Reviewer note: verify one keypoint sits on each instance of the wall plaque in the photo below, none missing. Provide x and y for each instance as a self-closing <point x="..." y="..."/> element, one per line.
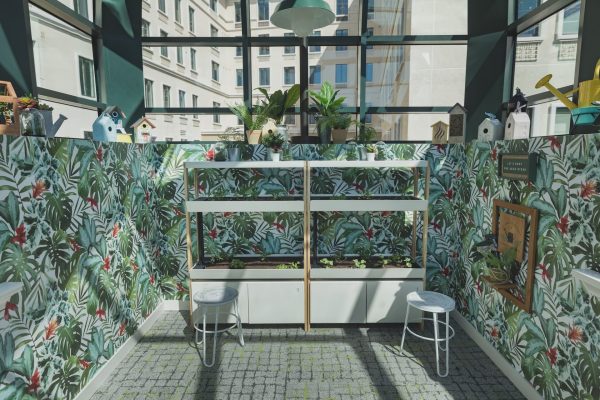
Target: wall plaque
<point x="518" y="166"/>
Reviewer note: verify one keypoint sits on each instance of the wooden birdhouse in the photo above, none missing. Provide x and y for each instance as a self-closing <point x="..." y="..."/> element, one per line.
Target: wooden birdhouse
<point x="517" y="126"/>
<point x="490" y="129"/>
<point x="108" y="125"/>
<point x="9" y="112"/>
<point x="141" y="130"/>
<point x="439" y="133"/>
<point x="458" y="124"/>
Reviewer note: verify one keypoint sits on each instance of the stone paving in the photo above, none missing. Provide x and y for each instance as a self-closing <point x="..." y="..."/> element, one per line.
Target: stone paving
<point x="288" y="363"/>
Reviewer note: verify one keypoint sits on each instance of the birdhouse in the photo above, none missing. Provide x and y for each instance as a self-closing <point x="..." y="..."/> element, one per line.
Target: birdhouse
<point x="490" y="129"/>
<point x="9" y="112"/>
<point x="439" y="133"/>
<point x="108" y="125"/>
<point x="141" y="130"/>
<point x="517" y="126"/>
<point x="458" y="124"/>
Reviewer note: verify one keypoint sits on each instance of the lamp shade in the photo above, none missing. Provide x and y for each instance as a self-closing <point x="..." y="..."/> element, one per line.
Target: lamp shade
<point x="302" y="16"/>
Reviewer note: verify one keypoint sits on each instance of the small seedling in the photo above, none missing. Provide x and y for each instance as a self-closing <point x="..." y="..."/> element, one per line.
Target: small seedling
<point x="292" y="265"/>
<point x="360" y="263"/>
<point x="327" y="263"/>
<point x="237" y="264"/>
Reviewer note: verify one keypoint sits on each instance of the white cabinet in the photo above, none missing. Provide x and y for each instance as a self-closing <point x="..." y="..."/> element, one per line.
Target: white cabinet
<point x="386" y="301"/>
<point x="338" y="302"/>
<point x="241" y="287"/>
<point x="276" y="302"/>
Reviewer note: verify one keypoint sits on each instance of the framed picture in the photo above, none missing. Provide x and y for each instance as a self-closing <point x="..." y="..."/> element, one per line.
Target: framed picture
<point x="510" y="224"/>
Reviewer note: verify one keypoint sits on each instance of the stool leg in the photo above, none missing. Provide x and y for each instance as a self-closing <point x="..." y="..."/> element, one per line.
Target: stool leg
<point x="239" y="323"/>
<point x="447" y="350"/>
<point x="204" y="335"/>
<point x="195" y="326"/>
<point x="215" y="338"/>
<point x="436" y="337"/>
<point x="404" y="330"/>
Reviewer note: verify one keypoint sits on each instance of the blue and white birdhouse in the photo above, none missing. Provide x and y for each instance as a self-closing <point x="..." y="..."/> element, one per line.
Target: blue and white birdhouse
<point x="108" y="125"/>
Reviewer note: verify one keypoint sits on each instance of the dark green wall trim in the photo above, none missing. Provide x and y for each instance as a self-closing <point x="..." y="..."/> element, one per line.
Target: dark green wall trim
<point x="122" y="56"/>
<point x="486" y="58"/>
<point x="16" y="53"/>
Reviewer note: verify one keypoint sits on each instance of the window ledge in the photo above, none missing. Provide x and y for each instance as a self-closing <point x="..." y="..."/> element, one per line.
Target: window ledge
<point x="530" y="39"/>
<point x="264" y="22"/>
<point x="179" y="26"/>
<point x="341" y="85"/>
<point x="566" y="38"/>
<point x="264" y="55"/>
<point x="163" y="15"/>
<point x="166" y="59"/>
<point x="289" y="54"/>
<point x="216" y="82"/>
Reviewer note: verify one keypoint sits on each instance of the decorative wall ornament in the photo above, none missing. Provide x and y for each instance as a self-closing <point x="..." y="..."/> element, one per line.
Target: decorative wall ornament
<point x="439" y="133"/>
<point x="516" y="166"/>
<point x="458" y="124"/>
<point x="490" y="129"/>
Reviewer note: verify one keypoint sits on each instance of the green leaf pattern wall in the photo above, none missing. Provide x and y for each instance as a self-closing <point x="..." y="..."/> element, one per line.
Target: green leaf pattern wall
<point x="96" y="232"/>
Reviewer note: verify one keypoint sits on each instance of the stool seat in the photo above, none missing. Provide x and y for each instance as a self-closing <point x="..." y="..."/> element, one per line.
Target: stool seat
<point x="216" y="296"/>
<point x="430" y="302"/>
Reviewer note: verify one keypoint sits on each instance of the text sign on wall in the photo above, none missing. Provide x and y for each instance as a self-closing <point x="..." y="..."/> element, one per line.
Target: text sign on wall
<point x="518" y="166"/>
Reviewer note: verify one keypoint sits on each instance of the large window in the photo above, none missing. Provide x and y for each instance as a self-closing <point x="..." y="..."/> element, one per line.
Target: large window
<point x="215" y="71"/>
<point x="289" y="75"/>
<point x="181" y="98"/>
<point x="148" y="93"/>
<point x="342" y="7"/>
<point x="289" y="49"/>
<point x="264" y="75"/>
<point x="164" y="51"/>
<point x="216" y="117"/>
<point x="341" y="32"/>
<point x="238" y="11"/>
<point x="177" y="11"/>
<point x="263" y="10"/>
<point x="145" y="28"/>
<point x="180" y="55"/>
<point x="192" y="19"/>
<point x="341" y="73"/>
<point x="314" y="75"/>
<point x="264" y="50"/>
<point x="162" y="6"/>
<point x="193" y="59"/>
<point x="81" y="8"/>
<point x="86" y="77"/>
<point x="166" y="96"/>
<point x="239" y="77"/>
<point x="315" y="49"/>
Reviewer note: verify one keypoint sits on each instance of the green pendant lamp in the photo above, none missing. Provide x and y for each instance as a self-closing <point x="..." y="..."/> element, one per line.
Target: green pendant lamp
<point x="302" y="16"/>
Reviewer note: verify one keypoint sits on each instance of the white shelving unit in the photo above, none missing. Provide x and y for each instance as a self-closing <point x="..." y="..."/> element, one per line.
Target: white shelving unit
<point x="347" y="295"/>
<point x="266" y="296"/>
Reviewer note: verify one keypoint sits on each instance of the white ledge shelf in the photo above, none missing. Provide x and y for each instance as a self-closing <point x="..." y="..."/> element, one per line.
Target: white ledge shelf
<point x="589" y="279"/>
<point x="368" y="205"/>
<point x="368" y="164"/>
<point x="7" y="290"/>
<point x="242" y="274"/>
<point x="245" y="206"/>
<point x="243" y="164"/>
<point x="367" y="273"/>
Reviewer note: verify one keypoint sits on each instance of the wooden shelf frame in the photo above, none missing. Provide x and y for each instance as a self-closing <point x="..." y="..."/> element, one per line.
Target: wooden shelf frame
<point x="309" y="207"/>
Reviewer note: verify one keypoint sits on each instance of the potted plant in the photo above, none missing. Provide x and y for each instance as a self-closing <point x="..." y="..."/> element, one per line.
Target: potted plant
<point x="233" y="138"/>
<point x="326" y="104"/>
<point x="496" y="267"/>
<point x="253" y="122"/>
<point x="275" y="105"/>
<point x="365" y="135"/>
<point x="371" y="150"/>
<point x="274" y="141"/>
<point x="339" y="124"/>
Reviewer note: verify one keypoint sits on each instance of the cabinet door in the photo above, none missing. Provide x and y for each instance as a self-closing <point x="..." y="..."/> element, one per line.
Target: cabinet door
<point x="386" y="301"/>
<point x="338" y="302"/>
<point x="276" y="302"/>
<point x="242" y="289"/>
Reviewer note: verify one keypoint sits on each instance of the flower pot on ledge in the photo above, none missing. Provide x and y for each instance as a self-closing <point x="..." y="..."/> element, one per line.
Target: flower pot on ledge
<point x="275" y="156"/>
<point x="254" y="136"/>
<point x="371" y="156"/>
<point x="339" y="135"/>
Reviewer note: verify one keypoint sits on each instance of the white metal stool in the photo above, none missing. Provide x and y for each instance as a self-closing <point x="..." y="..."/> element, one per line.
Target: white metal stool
<point x="216" y="298"/>
<point x="435" y="303"/>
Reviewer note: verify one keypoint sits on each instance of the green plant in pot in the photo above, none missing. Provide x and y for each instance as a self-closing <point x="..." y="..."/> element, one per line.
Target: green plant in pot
<point x="371" y="150"/>
<point x="274" y="141"/>
<point x="233" y="139"/>
<point x="364" y="136"/>
<point x="275" y="105"/>
<point x="338" y="124"/>
<point x="326" y="104"/>
<point x="254" y="120"/>
<point x="495" y="267"/>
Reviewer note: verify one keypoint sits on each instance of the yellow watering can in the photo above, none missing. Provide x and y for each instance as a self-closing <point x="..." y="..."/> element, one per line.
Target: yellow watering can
<point x="589" y="91"/>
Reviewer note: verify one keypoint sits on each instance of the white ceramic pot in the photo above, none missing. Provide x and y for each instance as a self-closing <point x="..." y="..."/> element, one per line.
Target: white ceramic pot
<point x="275" y="156"/>
<point x="371" y="156"/>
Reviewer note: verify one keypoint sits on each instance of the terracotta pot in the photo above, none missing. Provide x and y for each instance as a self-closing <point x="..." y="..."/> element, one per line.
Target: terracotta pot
<point x="339" y="135"/>
<point x="253" y="136"/>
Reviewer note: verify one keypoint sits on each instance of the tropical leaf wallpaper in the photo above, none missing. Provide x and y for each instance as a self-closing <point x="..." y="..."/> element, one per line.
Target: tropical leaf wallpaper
<point x="96" y="233"/>
<point x="557" y="346"/>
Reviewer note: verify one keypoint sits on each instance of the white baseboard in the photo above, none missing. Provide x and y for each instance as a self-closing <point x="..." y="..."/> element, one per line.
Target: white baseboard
<point x="511" y="373"/>
<point x="102" y="375"/>
<point x="176" y="305"/>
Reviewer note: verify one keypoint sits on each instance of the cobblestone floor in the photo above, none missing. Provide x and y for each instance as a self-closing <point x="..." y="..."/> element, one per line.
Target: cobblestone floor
<point x="326" y="363"/>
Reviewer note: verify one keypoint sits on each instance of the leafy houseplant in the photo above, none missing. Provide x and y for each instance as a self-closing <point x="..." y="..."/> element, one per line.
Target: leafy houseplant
<point x="339" y="124"/>
<point x="276" y="104"/>
<point x="371" y="151"/>
<point x="274" y="141"/>
<point x="236" y="263"/>
<point x="31" y="119"/>
<point x="233" y="138"/>
<point x="497" y="268"/>
<point x="253" y="122"/>
<point x="326" y="104"/>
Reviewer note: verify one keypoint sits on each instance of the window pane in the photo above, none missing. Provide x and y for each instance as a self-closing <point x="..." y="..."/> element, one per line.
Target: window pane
<point x="315" y="49"/>
<point x="239" y="74"/>
<point x="425" y="75"/>
<point x="78" y="120"/>
<point x="181" y="17"/>
<point x="263" y="10"/>
<point x="289" y="49"/>
<point x="238" y="12"/>
<point x="341" y="32"/>
<point x="166" y="96"/>
<point x="264" y="76"/>
<point x="549" y="53"/>
<point x="339" y="69"/>
<point x="263" y="50"/>
<point x="341" y="7"/>
<point x="181" y="99"/>
<point x="405" y="127"/>
<point x="148" y="93"/>
<point x="61" y="51"/>
<point x="179" y="55"/>
<point x="83" y="8"/>
<point x="419" y="17"/>
<point x="193" y="59"/>
<point x="549" y="119"/>
<point x="216" y="117"/>
<point x="289" y="75"/>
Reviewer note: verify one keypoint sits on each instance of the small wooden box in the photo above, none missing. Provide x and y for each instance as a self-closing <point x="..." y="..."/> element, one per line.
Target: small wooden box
<point x="9" y="124"/>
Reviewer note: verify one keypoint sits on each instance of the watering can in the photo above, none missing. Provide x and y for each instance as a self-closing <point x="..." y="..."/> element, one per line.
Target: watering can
<point x="50" y="126"/>
<point x="587" y="111"/>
